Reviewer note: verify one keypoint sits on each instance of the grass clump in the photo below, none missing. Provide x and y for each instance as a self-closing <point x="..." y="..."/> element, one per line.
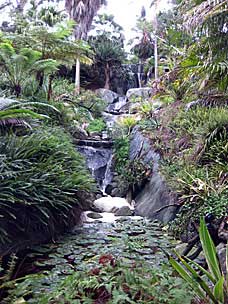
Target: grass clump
<point x="193" y="145"/>
<point x="41" y="175"/>
<point x="97" y="125"/>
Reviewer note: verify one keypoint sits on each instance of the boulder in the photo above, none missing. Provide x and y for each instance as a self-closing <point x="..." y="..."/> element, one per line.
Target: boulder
<point x="117" y="105"/>
<point x="139" y="92"/>
<point x="221" y="251"/>
<point x="107" y="95"/>
<point x="155" y="201"/>
<point x="130" y="107"/>
<point x="94" y="215"/>
<point x="79" y="133"/>
<point x="124" y="211"/>
<point x="111" y="204"/>
<point x="154" y="194"/>
<point x="140" y="148"/>
<point x="98" y="160"/>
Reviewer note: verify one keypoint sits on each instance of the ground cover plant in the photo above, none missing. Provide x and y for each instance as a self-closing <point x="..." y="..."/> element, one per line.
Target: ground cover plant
<point x="102" y="263"/>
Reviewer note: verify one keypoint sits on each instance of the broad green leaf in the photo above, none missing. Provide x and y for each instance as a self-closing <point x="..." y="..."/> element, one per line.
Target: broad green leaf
<point x="219" y="290"/>
<point x="209" y="250"/>
<point x="197" y="278"/>
<point x="184" y="274"/>
<point x="207" y="273"/>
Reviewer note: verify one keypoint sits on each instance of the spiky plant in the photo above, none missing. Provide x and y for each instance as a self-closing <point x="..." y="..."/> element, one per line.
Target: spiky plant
<point x="41" y="178"/>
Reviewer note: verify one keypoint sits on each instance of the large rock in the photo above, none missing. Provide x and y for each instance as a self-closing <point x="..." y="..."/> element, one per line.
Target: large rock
<point x="79" y="133"/>
<point x="111" y="204"/>
<point x="117" y="106"/>
<point x="124" y="211"/>
<point x="155" y="199"/>
<point x="139" y="92"/>
<point x="140" y="148"/>
<point x="98" y="161"/>
<point x="107" y="95"/>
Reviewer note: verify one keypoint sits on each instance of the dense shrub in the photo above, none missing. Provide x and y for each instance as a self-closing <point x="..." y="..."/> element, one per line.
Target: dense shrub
<point x="41" y="175"/>
<point x="195" y="166"/>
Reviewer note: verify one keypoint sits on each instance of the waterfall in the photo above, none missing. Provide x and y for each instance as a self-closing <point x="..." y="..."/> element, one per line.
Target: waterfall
<point x="99" y="163"/>
<point x="139" y="74"/>
<point x="108" y="176"/>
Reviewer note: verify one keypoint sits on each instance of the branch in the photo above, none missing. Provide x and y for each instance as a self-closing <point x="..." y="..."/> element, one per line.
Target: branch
<point x="5" y="5"/>
<point x="172" y="46"/>
<point x="164" y="207"/>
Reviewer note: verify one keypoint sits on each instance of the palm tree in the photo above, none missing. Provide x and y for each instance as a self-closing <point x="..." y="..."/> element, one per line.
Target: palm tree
<point x="207" y="60"/>
<point x="108" y="53"/>
<point x="155" y="4"/>
<point x="82" y="12"/>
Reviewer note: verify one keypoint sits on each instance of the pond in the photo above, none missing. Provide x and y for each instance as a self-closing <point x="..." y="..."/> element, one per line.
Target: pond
<point x="87" y="249"/>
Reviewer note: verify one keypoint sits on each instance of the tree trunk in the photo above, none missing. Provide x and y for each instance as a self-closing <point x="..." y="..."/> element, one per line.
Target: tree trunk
<point x="40" y="78"/>
<point x="17" y="90"/>
<point x="77" y="77"/>
<point x="107" y="76"/>
<point x="50" y="87"/>
<point x="156" y="58"/>
<point x="155" y="25"/>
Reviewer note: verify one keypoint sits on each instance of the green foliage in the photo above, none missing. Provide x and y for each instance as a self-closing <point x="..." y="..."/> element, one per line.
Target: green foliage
<point x="206" y="60"/>
<point x="130" y="268"/>
<point x="7" y="271"/>
<point x="87" y="103"/>
<point x="104" y="23"/>
<point x="127" y="123"/>
<point x="200" y="190"/>
<point x="201" y="121"/>
<point x="121" y="151"/>
<point x="18" y="67"/>
<point x="216" y="289"/>
<point x="120" y="284"/>
<point x="40" y="176"/>
<point x="143" y="49"/>
<point x="107" y="50"/>
<point x="131" y="172"/>
<point x="109" y="53"/>
<point x="198" y="173"/>
<point x="96" y="125"/>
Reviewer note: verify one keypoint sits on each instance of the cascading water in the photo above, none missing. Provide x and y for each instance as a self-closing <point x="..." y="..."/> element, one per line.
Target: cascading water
<point x="99" y="162"/>
<point x="139" y="75"/>
<point x="108" y="176"/>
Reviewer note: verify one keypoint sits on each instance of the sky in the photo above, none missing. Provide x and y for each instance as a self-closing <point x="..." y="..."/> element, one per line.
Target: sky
<point x="126" y="12"/>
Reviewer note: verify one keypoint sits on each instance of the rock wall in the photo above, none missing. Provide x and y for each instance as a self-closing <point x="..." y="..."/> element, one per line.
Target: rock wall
<point x="155" y="196"/>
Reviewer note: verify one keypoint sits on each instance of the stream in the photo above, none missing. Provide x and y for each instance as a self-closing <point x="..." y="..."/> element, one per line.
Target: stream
<point x="131" y="239"/>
